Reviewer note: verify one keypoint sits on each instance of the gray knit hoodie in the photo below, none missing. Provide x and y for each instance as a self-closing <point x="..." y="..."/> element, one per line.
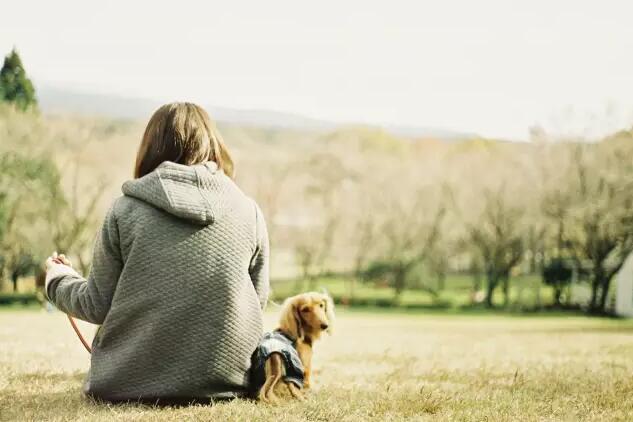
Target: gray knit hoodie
<point x="178" y="282"/>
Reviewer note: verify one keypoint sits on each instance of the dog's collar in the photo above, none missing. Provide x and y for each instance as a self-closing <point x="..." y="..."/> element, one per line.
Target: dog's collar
<point x="306" y="339"/>
<point x="288" y="336"/>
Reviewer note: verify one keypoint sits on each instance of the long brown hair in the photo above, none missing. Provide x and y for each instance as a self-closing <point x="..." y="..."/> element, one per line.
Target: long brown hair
<point x="182" y="133"/>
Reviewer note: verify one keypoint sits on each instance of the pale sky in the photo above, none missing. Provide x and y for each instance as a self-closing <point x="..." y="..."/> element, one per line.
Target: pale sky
<point x="493" y="67"/>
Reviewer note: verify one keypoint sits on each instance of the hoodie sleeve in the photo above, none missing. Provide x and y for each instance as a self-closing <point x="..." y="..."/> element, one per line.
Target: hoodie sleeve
<point x="259" y="269"/>
<point x="90" y="299"/>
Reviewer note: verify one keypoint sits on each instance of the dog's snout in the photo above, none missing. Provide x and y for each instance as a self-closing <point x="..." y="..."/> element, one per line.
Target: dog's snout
<point x="324" y="326"/>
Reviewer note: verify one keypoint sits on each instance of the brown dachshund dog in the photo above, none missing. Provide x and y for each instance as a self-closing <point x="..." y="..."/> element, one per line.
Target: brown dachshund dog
<point x="303" y="318"/>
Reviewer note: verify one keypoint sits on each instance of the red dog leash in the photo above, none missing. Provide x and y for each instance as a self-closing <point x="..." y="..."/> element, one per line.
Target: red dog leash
<point x="62" y="260"/>
<point x="81" y="337"/>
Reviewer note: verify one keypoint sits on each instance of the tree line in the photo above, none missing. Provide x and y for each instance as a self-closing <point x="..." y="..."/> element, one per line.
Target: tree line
<point x="358" y="202"/>
<point x="407" y="218"/>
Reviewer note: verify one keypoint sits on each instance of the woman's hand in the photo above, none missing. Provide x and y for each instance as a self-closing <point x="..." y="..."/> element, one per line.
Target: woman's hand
<point x="57" y="266"/>
<point x="57" y="259"/>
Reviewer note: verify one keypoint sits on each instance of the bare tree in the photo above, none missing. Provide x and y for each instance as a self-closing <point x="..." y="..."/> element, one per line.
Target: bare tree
<point x="72" y="218"/>
<point x="364" y="233"/>
<point x="438" y="264"/>
<point x="410" y="231"/>
<point x="600" y="188"/>
<point x="498" y="238"/>
<point x="269" y="192"/>
<point x="322" y="194"/>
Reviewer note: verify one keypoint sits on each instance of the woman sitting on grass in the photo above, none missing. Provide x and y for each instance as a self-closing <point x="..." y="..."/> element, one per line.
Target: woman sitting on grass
<point x="179" y="274"/>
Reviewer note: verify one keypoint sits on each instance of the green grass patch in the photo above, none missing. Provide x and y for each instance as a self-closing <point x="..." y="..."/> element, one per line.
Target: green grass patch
<point x="526" y="292"/>
<point x="20" y="299"/>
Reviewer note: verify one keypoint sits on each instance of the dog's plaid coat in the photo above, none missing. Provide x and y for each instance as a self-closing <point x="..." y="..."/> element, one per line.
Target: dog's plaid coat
<point x="276" y="342"/>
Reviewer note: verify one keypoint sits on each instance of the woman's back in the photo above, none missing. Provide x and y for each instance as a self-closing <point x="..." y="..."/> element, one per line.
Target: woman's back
<point x="182" y="277"/>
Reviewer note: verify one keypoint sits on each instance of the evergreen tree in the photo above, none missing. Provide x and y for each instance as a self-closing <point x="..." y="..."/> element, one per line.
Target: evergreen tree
<point x="15" y="87"/>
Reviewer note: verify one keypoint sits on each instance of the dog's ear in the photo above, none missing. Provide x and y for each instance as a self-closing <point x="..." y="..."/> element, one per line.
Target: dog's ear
<point x="297" y="314"/>
<point x="329" y="313"/>
<point x="290" y="320"/>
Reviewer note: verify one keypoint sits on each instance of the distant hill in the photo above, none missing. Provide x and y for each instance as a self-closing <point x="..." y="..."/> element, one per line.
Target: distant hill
<point x="57" y="100"/>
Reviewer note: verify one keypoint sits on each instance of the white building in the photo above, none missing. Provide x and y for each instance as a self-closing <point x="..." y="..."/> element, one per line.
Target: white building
<point x="624" y="289"/>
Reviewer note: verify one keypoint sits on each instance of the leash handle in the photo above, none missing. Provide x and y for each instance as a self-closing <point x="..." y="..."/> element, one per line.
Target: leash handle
<point x="81" y="337"/>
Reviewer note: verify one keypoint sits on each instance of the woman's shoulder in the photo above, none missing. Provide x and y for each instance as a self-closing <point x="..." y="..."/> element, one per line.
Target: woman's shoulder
<point x="125" y="205"/>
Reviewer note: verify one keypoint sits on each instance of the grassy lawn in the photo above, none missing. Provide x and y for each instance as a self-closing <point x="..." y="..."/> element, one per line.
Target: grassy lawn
<point x="386" y="366"/>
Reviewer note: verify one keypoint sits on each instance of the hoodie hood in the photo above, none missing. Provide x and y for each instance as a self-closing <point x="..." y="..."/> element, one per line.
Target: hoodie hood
<point x="193" y="193"/>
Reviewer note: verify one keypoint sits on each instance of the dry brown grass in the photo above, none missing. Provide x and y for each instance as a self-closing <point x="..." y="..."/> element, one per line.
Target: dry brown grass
<point x="376" y="367"/>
